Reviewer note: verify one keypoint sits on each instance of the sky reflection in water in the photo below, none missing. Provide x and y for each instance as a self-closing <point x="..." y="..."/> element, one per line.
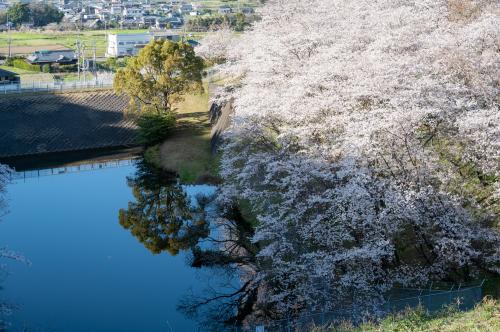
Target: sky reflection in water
<point x="88" y="273"/>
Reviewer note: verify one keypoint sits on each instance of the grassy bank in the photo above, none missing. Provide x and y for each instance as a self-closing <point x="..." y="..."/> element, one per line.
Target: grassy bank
<point x="485" y="317"/>
<point x="187" y="151"/>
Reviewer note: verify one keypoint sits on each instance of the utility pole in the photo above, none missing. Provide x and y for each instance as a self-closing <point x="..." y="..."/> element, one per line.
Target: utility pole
<point x="85" y="64"/>
<point x="94" y="62"/>
<point x="78" y="57"/>
<point x="82" y="10"/>
<point x="8" y="32"/>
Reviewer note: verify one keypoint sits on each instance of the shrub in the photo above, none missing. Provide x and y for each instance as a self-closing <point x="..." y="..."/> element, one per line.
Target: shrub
<point x="21" y="64"/>
<point x="46" y="68"/>
<point x="9" y="62"/>
<point x="67" y="68"/>
<point x="154" y="128"/>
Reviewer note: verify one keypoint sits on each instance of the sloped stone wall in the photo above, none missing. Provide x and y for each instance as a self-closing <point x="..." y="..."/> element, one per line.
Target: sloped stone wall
<point x="59" y="122"/>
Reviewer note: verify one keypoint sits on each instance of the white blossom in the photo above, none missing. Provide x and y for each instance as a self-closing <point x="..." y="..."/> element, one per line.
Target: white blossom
<point x="348" y="120"/>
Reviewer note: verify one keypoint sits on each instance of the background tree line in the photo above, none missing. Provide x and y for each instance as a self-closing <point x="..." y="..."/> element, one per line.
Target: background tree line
<point x="39" y="14"/>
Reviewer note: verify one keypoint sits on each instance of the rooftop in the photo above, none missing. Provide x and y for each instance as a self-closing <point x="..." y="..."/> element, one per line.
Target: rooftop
<point x="52" y="56"/>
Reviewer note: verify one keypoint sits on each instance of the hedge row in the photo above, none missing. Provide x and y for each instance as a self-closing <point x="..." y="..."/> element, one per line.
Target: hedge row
<point x="46" y="68"/>
<point x="21" y="64"/>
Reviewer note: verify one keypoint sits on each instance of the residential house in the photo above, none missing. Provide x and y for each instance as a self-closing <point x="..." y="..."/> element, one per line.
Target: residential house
<point x="132" y="11"/>
<point x="116" y="9"/>
<point x="185" y="9"/>
<point x="162" y="23"/>
<point x="148" y="21"/>
<point x="62" y="57"/>
<point x="225" y="10"/>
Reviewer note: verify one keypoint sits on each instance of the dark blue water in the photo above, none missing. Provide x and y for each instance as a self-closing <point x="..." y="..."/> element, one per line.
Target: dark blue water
<point x="88" y="273"/>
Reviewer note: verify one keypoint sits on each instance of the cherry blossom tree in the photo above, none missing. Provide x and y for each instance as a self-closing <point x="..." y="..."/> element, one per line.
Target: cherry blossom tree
<point x="366" y="137"/>
<point x="215" y="45"/>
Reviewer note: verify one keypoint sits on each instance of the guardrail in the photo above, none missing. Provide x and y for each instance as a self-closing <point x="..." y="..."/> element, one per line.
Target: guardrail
<point x="54" y="86"/>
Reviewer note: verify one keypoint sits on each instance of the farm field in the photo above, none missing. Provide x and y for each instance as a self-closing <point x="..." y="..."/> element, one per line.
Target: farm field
<point x="28" y="42"/>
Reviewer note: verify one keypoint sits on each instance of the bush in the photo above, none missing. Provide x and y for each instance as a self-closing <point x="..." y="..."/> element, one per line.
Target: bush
<point x="154" y="128"/>
<point x="9" y="62"/>
<point x="21" y="64"/>
<point x="112" y="64"/>
<point x="67" y="68"/>
<point x="46" y="68"/>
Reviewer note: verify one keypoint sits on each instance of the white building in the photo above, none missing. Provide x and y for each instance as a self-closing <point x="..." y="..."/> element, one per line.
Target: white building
<point x="132" y="11"/>
<point x="126" y="44"/>
<point x="116" y="9"/>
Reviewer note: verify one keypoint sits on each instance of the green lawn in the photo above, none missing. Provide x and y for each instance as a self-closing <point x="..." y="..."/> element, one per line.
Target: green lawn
<point x="32" y="76"/>
<point x="187" y="151"/>
<point x="18" y="71"/>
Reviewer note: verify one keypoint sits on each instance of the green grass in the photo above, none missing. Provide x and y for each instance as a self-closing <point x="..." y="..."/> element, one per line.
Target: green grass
<point x="18" y="71"/>
<point x="187" y="151"/>
<point x="31" y="76"/>
<point x="485" y="317"/>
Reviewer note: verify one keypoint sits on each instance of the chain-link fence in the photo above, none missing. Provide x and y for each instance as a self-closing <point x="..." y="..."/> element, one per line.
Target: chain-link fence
<point x="430" y="299"/>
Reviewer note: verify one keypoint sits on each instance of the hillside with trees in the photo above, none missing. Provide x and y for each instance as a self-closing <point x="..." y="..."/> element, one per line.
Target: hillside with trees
<point x="365" y="137"/>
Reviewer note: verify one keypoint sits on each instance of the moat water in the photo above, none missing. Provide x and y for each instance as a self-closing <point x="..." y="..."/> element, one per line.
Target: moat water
<point x="87" y="272"/>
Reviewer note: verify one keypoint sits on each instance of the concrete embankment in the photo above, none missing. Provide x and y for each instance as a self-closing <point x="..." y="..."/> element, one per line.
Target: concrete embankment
<point x="47" y="123"/>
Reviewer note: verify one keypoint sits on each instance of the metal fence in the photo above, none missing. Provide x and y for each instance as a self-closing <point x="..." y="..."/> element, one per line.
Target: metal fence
<point x="53" y="86"/>
<point x="83" y="167"/>
<point x="431" y="300"/>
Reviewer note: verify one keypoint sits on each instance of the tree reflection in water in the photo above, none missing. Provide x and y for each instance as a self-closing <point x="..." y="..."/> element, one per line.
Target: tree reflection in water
<point x="164" y="218"/>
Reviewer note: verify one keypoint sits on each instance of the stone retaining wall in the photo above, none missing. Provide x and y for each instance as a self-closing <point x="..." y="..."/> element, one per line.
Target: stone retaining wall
<point x="220" y="118"/>
<point x="34" y="124"/>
